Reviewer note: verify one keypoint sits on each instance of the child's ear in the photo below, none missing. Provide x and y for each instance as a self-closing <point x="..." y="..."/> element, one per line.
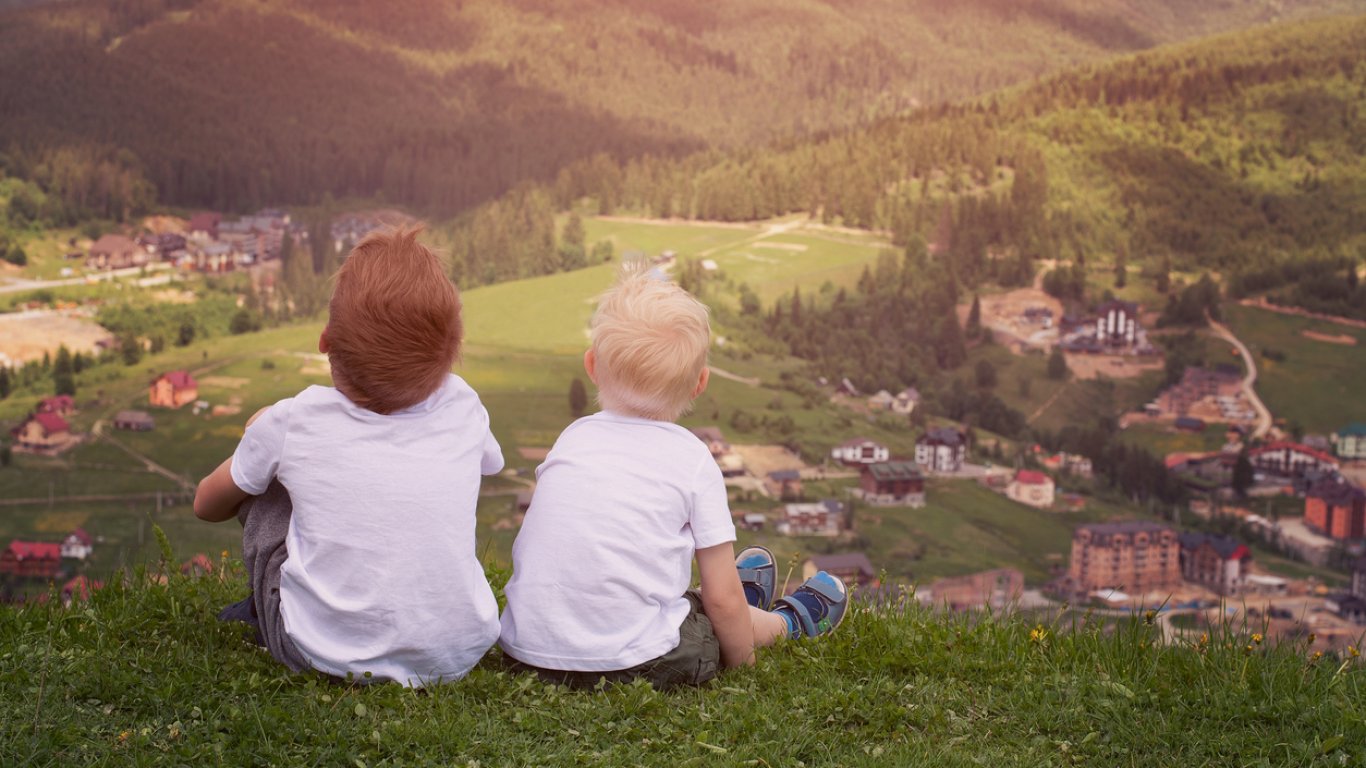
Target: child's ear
<point x="590" y="365"/>
<point x="702" y="382"/>
<point x="323" y="344"/>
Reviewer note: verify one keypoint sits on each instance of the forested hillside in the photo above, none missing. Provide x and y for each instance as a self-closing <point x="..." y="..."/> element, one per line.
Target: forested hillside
<point x="1244" y="154"/>
<point x="442" y="103"/>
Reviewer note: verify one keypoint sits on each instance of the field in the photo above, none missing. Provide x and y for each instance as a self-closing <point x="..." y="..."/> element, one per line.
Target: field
<point x="771" y="257"/>
<point x="1315" y="384"/>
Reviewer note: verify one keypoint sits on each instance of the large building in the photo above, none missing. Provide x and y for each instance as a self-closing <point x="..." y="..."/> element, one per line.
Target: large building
<point x="1351" y="441"/>
<point x="1336" y="509"/>
<point x="942" y="449"/>
<point x="892" y="483"/>
<point x="1133" y="557"/>
<point x="1288" y="459"/>
<point x="1117" y="324"/>
<point x="1217" y="562"/>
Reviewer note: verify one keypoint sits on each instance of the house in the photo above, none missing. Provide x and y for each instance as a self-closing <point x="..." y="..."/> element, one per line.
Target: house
<point x="1336" y="508"/>
<point x="1138" y="556"/>
<point x="42" y="431"/>
<point x="77" y="545"/>
<point x="1218" y="562"/>
<point x="204" y="225"/>
<point x="892" y="483"/>
<point x="1289" y="459"/>
<point x="846" y="387"/>
<point x="1117" y="324"/>
<point x="860" y="450"/>
<point x="784" y="484"/>
<point x="854" y="568"/>
<point x="823" y="518"/>
<point x="1069" y="463"/>
<point x="62" y="405"/>
<point x="31" y="559"/>
<point x="882" y="401"/>
<point x="115" y="252"/>
<point x="165" y="246"/>
<point x="996" y="589"/>
<point x="906" y="401"/>
<point x="753" y="521"/>
<point x="78" y="588"/>
<point x="173" y="389"/>
<point x="941" y="449"/>
<point x="1030" y="487"/>
<point x="714" y="440"/>
<point x="1349" y="607"/>
<point x="1351" y="441"/>
<point x="134" y="421"/>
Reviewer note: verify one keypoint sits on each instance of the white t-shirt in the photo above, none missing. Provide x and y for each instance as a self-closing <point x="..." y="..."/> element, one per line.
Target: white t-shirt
<point x="605" y="553"/>
<point x="382" y="574"/>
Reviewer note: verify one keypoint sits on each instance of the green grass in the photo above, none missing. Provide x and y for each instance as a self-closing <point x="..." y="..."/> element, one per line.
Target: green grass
<point x="144" y="675"/>
<point x="1317" y="384"/>
<point x="1162" y="440"/>
<point x="771" y="262"/>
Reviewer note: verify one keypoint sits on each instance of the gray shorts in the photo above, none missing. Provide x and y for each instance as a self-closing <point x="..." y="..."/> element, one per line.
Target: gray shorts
<point x="694" y="661"/>
<point x="265" y="521"/>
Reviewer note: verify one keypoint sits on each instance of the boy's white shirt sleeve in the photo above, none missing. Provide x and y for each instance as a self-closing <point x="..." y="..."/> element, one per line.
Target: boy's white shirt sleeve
<point x="257" y="458"/>
<point x="710" y="521"/>
<point x="492" y="461"/>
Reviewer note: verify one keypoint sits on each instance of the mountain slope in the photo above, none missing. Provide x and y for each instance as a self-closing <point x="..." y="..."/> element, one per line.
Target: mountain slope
<point x="440" y="103"/>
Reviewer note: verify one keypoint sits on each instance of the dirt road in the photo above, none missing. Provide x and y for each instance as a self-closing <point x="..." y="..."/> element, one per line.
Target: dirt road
<point x="1249" y="381"/>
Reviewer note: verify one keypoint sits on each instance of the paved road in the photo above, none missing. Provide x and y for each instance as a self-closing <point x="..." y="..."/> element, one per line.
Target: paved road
<point x="15" y="284"/>
<point x="1249" y="390"/>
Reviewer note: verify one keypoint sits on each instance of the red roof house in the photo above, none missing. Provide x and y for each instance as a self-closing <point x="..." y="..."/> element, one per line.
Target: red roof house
<point x="1033" y="488"/>
<point x="62" y="405"/>
<point x="173" y="389"/>
<point x="42" y="431"/>
<point x="32" y="559"/>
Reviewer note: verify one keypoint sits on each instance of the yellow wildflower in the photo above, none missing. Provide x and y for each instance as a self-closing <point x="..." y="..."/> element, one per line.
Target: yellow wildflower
<point x="1038" y="634"/>
<point x="1311" y="638"/>
<point x="1148" y="617"/>
<point x="1204" y="638"/>
<point x="123" y="735"/>
<point x="1257" y="638"/>
<point x="1354" y="651"/>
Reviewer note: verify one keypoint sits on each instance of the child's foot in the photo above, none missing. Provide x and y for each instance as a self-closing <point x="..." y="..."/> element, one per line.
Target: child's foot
<point x="758" y="575"/>
<point x="816" y="608"/>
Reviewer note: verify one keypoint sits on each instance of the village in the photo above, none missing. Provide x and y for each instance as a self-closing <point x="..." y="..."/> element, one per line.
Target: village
<point x="1123" y="566"/>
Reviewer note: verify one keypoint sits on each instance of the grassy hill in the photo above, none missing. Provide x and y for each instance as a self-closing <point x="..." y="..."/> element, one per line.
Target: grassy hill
<point x="142" y="674"/>
<point x="235" y="103"/>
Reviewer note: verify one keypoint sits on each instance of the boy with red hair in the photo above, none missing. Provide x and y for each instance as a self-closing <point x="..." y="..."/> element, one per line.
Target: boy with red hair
<point x="357" y="501"/>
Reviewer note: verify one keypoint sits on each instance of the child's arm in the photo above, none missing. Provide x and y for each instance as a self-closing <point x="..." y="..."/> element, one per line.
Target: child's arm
<point x="217" y="497"/>
<point x="723" y="599"/>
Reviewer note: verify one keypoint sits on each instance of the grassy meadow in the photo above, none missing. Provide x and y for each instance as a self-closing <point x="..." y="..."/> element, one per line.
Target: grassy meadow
<point x="1316" y="384"/>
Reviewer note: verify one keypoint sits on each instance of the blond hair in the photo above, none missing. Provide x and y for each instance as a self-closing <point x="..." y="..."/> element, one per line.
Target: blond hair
<point x="650" y="340"/>
<point x="394" y="325"/>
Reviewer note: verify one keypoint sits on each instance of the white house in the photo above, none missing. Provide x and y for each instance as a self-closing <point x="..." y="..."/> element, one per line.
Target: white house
<point x="942" y="449"/>
<point x="77" y="545"/>
<point x="1033" y="488"/>
<point x="860" y="450"/>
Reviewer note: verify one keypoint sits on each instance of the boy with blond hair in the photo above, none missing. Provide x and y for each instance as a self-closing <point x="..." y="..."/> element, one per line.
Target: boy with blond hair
<point x="624" y="502"/>
<point x="358" y="521"/>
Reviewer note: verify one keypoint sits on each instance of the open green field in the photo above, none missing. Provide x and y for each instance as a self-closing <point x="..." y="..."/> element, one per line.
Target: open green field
<point x="771" y="257"/>
<point x="1162" y="440"/>
<point x="1318" y="384"/>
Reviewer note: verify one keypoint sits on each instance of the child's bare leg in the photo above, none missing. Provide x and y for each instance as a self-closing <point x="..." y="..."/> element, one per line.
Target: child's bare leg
<point x="768" y="627"/>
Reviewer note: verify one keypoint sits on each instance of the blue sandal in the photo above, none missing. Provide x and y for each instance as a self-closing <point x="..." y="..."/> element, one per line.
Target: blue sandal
<point x="818" y="605"/>
<point x="758" y="575"/>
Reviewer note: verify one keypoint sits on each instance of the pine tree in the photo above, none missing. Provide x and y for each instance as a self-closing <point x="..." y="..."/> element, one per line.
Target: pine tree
<point x="1121" y="269"/>
<point x="974" y="328"/>
<point x="6" y="384"/>
<point x="63" y="375"/>
<point x="1243" y="474"/>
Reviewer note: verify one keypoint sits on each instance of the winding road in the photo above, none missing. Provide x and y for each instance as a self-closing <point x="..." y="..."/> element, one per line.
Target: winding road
<point x="1249" y="390"/>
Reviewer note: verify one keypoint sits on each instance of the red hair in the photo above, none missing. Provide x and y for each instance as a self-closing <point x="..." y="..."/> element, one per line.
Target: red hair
<point x="394" y="328"/>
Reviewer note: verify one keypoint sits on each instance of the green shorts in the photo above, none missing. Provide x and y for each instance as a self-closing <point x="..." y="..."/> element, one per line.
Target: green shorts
<point x="695" y="660"/>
